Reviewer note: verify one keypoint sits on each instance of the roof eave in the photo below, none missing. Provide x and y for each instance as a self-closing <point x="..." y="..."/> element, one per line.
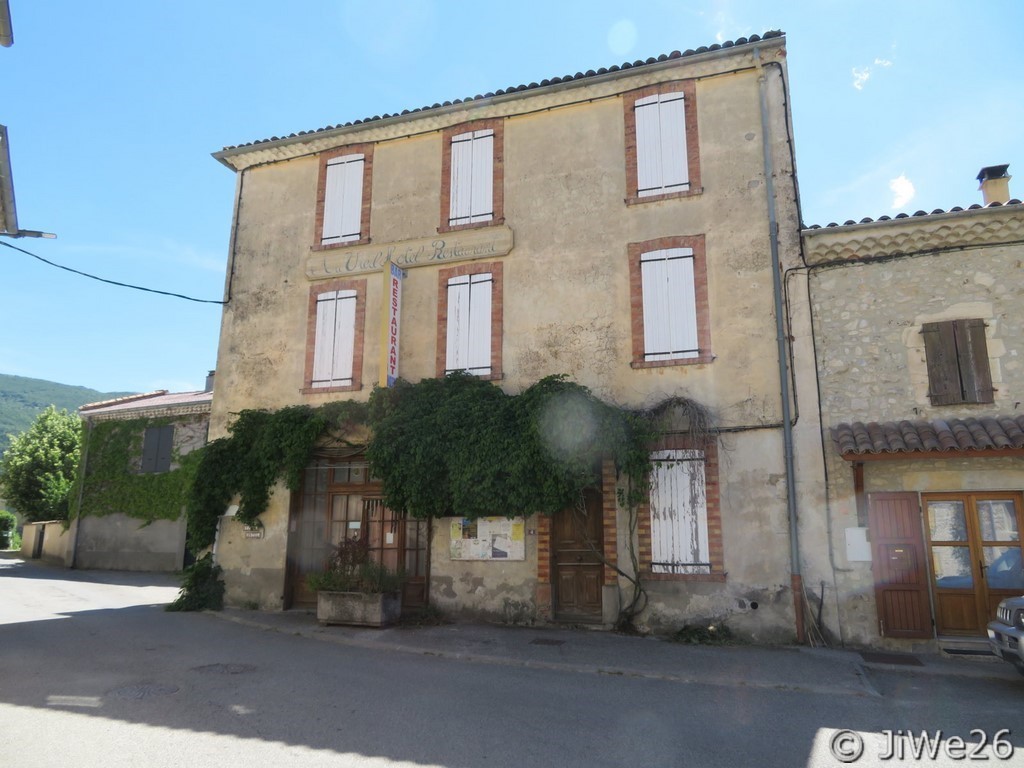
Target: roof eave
<point x="224" y="156"/>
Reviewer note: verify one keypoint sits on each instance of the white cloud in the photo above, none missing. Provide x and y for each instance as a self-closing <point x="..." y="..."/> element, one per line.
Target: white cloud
<point x="902" y="191"/>
<point x="862" y="74"/>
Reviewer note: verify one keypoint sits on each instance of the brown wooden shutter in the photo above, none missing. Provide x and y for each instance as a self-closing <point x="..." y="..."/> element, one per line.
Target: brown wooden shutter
<point x="972" y="353"/>
<point x="943" y="368"/>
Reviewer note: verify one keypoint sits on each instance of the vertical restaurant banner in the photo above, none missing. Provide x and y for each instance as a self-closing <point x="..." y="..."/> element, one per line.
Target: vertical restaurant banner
<point x="394" y="324"/>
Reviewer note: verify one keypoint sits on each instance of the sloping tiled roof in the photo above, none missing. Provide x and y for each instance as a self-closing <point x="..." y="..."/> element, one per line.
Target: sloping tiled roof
<point x="160" y="398"/>
<point x="908" y="437"/>
<point x="954" y="209"/>
<point x="524" y="87"/>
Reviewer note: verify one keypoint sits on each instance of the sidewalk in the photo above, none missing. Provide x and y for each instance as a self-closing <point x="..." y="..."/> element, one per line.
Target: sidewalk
<point x="812" y="670"/>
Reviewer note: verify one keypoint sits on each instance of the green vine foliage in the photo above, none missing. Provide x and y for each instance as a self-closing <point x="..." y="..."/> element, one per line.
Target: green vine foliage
<point x="261" y="447"/>
<point x="108" y="486"/>
<point x="461" y="446"/>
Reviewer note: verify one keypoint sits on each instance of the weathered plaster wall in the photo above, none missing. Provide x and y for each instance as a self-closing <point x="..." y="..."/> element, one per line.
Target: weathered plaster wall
<point x="118" y="542"/>
<point x="491" y="590"/>
<point x="124" y="539"/>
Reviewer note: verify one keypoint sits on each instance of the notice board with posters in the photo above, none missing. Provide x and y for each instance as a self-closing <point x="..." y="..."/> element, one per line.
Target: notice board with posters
<point x="488" y="538"/>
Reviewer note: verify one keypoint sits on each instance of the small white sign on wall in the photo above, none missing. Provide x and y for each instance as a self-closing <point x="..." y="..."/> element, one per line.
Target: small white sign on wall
<point x="858" y="548"/>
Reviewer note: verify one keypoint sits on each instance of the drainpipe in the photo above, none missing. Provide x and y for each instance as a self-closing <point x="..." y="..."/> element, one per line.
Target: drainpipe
<point x="796" y="579"/>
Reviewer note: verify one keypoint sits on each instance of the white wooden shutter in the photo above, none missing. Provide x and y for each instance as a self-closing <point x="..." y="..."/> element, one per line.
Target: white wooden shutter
<point x="661" y="160"/>
<point x="472" y="178"/>
<point x="468" y="346"/>
<point x="343" y="199"/>
<point x="679" y="513"/>
<point x="334" y="343"/>
<point x="670" y="304"/>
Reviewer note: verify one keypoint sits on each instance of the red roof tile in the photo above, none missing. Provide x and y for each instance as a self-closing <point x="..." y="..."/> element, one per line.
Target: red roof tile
<point x="903" y="437"/>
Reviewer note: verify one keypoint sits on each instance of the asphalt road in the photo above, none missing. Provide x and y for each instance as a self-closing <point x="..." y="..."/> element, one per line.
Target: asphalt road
<point x="93" y="672"/>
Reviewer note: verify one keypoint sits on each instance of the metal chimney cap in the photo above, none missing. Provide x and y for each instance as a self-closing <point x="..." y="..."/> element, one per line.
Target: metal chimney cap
<point x="993" y="172"/>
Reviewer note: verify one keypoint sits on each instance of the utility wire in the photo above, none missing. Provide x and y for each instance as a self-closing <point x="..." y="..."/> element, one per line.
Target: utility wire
<point x="111" y="282"/>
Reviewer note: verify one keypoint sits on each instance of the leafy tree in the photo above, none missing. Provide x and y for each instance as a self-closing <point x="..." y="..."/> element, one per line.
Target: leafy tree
<point x="38" y="470"/>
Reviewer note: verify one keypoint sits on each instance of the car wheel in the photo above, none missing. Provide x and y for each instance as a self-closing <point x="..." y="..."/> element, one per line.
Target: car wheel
<point x="1020" y="666"/>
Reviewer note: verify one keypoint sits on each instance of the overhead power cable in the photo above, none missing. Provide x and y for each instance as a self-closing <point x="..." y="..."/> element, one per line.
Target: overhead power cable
<point x="111" y="282"/>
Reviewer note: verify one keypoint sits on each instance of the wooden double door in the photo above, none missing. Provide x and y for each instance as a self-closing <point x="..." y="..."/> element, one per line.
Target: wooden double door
<point x="340" y="501"/>
<point x="947" y="558"/>
<point x="577" y="554"/>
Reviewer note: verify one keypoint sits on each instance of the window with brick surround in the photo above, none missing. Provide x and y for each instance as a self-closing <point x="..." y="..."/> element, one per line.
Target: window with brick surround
<point x="343" y="196"/>
<point x="662" y="149"/>
<point x="469" y="320"/>
<point x="157" y="446"/>
<point x="669" y="302"/>
<point x="958" y="366"/>
<point x="679" y="529"/>
<point x="334" y="348"/>
<point x="472" y="175"/>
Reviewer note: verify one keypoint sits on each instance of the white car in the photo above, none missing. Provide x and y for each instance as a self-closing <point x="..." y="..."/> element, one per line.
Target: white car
<point x="1006" y="633"/>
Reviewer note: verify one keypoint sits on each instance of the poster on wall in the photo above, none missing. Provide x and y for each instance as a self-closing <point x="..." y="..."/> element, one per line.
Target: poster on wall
<point x="488" y="538"/>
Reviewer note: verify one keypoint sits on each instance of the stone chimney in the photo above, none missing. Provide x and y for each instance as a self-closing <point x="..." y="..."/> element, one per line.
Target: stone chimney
<point x="209" y="381"/>
<point x="995" y="184"/>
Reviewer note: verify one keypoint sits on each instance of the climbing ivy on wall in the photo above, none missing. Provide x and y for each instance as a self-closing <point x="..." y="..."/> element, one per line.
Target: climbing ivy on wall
<point x="461" y="446"/>
<point x="108" y="484"/>
<point x="260" y="448"/>
<point x="457" y="445"/>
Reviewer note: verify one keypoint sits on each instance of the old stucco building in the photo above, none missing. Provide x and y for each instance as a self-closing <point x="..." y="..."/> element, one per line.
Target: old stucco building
<point x="919" y="344"/>
<point x="617" y="226"/>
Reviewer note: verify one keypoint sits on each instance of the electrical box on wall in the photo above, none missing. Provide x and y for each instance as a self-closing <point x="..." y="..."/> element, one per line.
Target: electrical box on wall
<point x="858" y="548"/>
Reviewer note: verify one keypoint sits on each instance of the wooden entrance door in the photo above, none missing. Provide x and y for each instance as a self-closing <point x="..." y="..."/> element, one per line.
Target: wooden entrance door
<point x="976" y="556"/>
<point x="577" y="546"/>
<point x="898" y="566"/>
<point x="340" y="501"/>
<point x="400" y="544"/>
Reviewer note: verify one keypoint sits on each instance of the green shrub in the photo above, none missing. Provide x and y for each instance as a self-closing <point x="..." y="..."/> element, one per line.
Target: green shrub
<point x="8" y="522"/>
<point x="351" y="570"/>
<point x="201" y="587"/>
<point x="701" y="634"/>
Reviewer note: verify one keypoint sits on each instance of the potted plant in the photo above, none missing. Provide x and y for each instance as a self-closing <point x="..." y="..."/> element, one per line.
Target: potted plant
<point x="355" y="590"/>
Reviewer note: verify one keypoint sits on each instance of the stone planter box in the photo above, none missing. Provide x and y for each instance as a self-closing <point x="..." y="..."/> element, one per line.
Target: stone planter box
<point x="358" y="609"/>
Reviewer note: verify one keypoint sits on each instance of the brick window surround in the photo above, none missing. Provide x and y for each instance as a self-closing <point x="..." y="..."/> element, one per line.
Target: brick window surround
<point x="359" y="286"/>
<point x="497" y="308"/>
<point x="366" y="150"/>
<point x="636" y="299"/>
<point x="689" y="90"/>
<point x="498" y="200"/>
<point x="716" y="556"/>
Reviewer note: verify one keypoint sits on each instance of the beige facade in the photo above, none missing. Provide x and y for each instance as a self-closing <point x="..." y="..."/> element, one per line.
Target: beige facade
<point x="563" y="247"/>
<point x="877" y="289"/>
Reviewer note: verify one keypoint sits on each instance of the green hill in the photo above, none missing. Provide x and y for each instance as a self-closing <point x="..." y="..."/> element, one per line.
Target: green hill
<point x="23" y="399"/>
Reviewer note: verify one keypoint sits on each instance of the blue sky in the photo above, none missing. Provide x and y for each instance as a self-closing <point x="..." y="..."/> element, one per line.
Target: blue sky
<point x="113" y="109"/>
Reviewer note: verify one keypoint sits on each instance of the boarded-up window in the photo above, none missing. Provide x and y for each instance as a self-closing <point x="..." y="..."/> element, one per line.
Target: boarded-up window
<point x="669" y="304"/>
<point x="343" y="200"/>
<point x="472" y="178"/>
<point x="468" y="345"/>
<point x="156" y="449"/>
<point x="661" y="162"/>
<point x="334" y="342"/>
<point x="958" y="367"/>
<point x="679" y="513"/>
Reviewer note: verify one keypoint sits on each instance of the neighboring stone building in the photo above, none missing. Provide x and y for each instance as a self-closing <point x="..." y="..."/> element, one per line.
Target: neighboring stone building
<point x="139" y="534"/>
<point x="919" y="340"/>
<point x="616" y="226"/>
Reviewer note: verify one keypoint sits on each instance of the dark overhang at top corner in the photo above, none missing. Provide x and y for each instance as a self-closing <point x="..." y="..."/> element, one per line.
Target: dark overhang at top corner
<point x="980" y="437"/>
<point x="775" y="36"/>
